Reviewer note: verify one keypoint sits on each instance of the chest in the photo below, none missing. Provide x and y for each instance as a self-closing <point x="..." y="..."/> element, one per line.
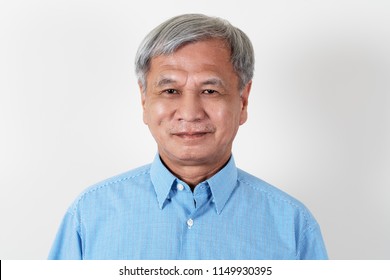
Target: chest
<point x="184" y="230"/>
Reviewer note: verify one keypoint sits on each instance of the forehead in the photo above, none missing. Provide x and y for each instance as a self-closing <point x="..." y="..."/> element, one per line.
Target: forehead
<point x="209" y="59"/>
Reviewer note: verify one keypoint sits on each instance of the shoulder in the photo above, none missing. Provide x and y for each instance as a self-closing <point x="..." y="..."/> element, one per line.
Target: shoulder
<point x="282" y="215"/>
<point x="113" y="185"/>
<point x="272" y="196"/>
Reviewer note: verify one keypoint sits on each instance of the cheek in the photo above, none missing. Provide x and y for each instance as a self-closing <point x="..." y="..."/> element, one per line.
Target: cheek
<point x="157" y="112"/>
<point x="226" y="111"/>
<point x="226" y="118"/>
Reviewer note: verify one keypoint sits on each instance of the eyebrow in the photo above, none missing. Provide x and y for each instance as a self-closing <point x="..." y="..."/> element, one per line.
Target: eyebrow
<point x="213" y="82"/>
<point x="169" y="81"/>
<point x="165" y="81"/>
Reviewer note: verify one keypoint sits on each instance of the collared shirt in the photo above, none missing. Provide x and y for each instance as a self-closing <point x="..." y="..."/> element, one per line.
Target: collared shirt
<point x="148" y="213"/>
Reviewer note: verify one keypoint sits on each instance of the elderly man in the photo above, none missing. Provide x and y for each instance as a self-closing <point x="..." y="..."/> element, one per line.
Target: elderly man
<point x="195" y="74"/>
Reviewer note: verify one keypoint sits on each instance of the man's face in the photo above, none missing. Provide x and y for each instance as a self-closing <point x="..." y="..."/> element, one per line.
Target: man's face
<point x="192" y="104"/>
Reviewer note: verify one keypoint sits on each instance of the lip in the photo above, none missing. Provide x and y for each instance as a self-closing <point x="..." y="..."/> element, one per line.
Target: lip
<point x="191" y="135"/>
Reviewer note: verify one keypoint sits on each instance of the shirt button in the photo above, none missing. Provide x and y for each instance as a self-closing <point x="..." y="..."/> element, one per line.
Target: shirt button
<point x="190" y="223"/>
<point x="180" y="187"/>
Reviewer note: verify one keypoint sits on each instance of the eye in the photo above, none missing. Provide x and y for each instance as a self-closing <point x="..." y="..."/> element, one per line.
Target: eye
<point x="170" y="91"/>
<point x="209" y="91"/>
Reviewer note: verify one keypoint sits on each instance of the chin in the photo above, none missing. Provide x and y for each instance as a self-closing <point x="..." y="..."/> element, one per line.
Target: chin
<point x="193" y="157"/>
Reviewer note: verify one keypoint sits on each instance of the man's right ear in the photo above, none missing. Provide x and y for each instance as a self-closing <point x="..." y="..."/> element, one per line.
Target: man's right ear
<point x="143" y="102"/>
<point x="142" y="92"/>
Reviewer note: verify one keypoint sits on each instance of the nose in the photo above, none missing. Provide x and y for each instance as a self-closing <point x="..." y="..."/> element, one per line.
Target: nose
<point x="190" y="108"/>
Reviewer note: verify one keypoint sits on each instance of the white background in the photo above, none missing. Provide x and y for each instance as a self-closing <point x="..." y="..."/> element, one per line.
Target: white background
<point x="319" y="112"/>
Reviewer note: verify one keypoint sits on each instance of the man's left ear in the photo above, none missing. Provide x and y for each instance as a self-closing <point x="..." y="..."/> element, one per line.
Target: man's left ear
<point x="244" y="102"/>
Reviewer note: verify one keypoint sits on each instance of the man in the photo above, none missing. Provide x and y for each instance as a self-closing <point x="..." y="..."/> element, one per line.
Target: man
<point x="195" y="74"/>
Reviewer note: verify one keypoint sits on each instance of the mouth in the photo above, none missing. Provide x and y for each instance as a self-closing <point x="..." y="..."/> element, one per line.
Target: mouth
<point x="191" y="135"/>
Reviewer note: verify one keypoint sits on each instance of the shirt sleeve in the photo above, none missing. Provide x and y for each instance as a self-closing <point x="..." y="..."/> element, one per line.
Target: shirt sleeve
<point x="68" y="243"/>
<point x="311" y="246"/>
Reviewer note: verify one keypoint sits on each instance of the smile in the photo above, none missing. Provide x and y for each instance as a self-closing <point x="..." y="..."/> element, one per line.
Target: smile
<point x="190" y="135"/>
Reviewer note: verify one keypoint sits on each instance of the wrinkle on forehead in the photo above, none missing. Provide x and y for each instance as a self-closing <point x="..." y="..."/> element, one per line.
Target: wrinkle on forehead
<point x="198" y="64"/>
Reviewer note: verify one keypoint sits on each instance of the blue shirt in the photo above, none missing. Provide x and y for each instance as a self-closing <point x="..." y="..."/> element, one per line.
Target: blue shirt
<point x="148" y="213"/>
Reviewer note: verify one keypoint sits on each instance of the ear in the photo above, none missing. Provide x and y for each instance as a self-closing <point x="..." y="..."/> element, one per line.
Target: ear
<point x="244" y="102"/>
<point x="143" y="101"/>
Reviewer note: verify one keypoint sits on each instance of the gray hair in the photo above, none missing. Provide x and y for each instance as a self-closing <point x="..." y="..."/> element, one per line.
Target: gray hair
<point x="189" y="28"/>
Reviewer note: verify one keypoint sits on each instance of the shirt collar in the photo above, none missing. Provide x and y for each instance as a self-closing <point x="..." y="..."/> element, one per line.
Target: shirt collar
<point x="221" y="184"/>
<point x="162" y="180"/>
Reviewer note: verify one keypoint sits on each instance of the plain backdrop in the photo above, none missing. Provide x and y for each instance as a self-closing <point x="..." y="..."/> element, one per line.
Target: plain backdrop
<point x="319" y="111"/>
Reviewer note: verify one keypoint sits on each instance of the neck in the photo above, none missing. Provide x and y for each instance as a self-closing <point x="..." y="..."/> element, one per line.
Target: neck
<point x="195" y="173"/>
